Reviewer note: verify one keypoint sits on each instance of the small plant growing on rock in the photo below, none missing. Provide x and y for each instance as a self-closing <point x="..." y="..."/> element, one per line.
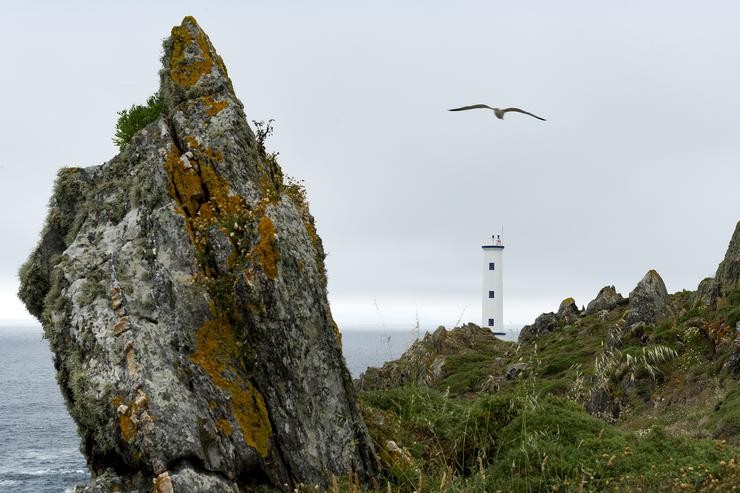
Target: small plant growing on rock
<point x="135" y="118"/>
<point x="263" y="130"/>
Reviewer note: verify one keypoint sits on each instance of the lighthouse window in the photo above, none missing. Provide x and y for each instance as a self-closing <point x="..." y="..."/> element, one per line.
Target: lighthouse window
<point x="490" y="322"/>
<point x="490" y="294"/>
<point x="491" y="265"/>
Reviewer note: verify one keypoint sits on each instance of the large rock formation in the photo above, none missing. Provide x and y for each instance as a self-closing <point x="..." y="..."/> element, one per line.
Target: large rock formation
<point x="544" y="324"/>
<point x="648" y="302"/>
<point x="728" y="272"/>
<point x="181" y="287"/>
<point x="568" y="311"/>
<point x="606" y="299"/>
<point x="568" y="314"/>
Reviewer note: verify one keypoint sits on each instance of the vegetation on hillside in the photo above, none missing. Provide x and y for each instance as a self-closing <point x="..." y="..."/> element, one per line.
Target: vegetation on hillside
<point x="670" y="419"/>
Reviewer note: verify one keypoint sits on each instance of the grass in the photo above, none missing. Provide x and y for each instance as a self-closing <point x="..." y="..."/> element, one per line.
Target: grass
<point x="679" y="427"/>
<point x="517" y="441"/>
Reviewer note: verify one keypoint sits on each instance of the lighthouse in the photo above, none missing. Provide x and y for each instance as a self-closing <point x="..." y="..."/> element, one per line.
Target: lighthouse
<point x="493" y="285"/>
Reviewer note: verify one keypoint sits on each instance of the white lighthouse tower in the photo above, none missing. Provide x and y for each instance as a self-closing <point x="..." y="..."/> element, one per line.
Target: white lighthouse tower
<point x="493" y="285"/>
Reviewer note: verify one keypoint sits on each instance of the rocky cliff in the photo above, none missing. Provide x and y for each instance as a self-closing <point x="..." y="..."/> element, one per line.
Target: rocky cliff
<point x="181" y="287"/>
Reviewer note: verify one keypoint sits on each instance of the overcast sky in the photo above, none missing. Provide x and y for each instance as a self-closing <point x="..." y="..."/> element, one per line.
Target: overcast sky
<point x="636" y="167"/>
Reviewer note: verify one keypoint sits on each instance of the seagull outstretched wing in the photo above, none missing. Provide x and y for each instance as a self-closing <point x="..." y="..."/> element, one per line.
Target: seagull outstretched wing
<point x="472" y="107"/>
<point x="518" y="110"/>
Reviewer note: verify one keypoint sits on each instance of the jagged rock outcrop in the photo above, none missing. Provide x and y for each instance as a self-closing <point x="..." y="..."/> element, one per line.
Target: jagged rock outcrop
<point x="181" y="287"/>
<point x="727" y="277"/>
<point x="733" y="363"/>
<point x="568" y="314"/>
<point x="648" y="302"/>
<point x="544" y="324"/>
<point x="424" y="363"/>
<point x="568" y="311"/>
<point x="728" y="272"/>
<point x="607" y="299"/>
<point x="708" y="292"/>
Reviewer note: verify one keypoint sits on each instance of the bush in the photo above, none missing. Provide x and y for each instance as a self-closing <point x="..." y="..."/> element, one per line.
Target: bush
<point x="135" y="118"/>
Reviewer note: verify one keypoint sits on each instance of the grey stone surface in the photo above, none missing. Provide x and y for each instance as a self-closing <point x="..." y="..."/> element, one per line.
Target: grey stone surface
<point x="648" y="302"/>
<point x="734" y="360"/>
<point x="708" y="292"/>
<point x="728" y="272"/>
<point x="185" y="303"/>
<point x="607" y="299"/>
<point x="544" y="324"/>
<point x="568" y="311"/>
<point x="513" y="371"/>
<point x="568" y="314"/>
<point x="727" y="277"/>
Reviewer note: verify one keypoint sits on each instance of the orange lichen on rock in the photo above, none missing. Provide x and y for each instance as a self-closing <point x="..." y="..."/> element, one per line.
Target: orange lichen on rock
<point x="184" y="70"/>
<point x="127" y="426"/>
<point x="266" y="250"/>
<point x="214" y="107"/>
<point x="221" y="199"/>
<point x="224" y="427"/>
<point x="185" y="184"/>
<point x="217" y="354"/>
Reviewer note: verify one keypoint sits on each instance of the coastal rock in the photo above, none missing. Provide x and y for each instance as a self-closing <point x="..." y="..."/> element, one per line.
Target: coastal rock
<point x="708" y="292"/>
<point x="727" y="277"/>
<point x="568" y="314"/>
<point x="734" y="360"/>
<point x="648" y="302"/>
<point x="424" y="363"/>
<point x="544" y="324"/>
<point x="568" y="311"/>
<point x="607" y="299"/>
<point x="185" y="303"/>
<point x="728" y="272"/>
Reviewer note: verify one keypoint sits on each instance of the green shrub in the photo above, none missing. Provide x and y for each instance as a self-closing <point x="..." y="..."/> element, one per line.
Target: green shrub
<point x="135" y="118"/>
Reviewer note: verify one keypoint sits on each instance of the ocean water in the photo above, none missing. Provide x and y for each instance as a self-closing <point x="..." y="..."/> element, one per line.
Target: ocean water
<point x="39" y="447"/>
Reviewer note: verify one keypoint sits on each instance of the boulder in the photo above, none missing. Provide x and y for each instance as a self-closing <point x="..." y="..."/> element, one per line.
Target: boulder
<point x="182" y="290"/>
<point x="607" y="299"/>
<point x="708" y="292"/>
<point x="648" y="302"/>
<point x="568" y="311"/>
<point x="568" y="314"/>
<point x="544" y="324"/>
<point x="513" y="371"/>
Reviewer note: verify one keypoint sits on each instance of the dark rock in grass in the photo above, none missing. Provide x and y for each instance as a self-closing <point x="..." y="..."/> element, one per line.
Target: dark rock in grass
<point x="513" y="371"/>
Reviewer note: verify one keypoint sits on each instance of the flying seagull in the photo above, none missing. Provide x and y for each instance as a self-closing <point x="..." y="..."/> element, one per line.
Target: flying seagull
<point x="498" y="111"/>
